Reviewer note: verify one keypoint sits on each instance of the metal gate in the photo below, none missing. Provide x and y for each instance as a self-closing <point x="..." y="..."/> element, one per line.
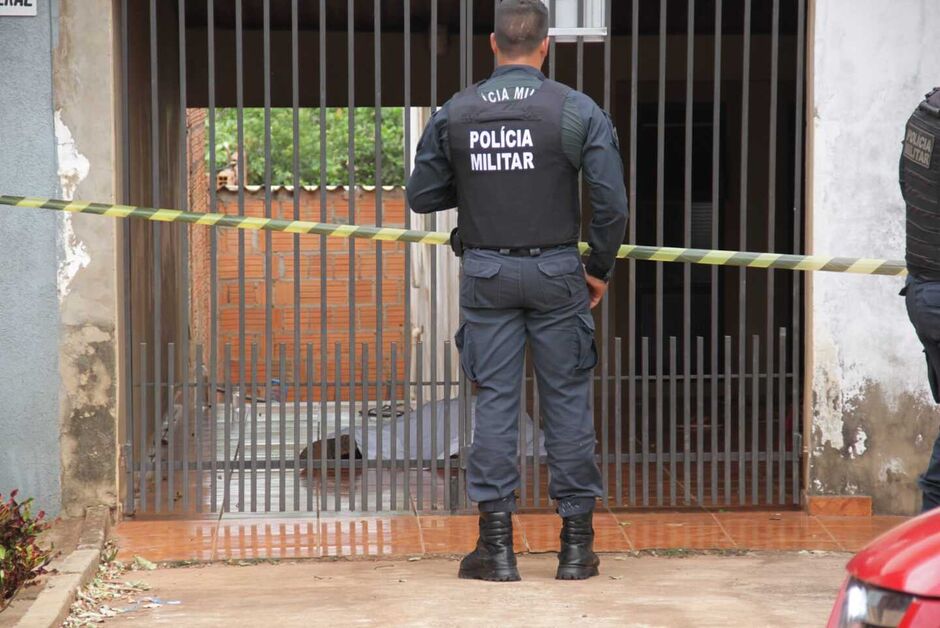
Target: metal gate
<point x="277" y="372"/>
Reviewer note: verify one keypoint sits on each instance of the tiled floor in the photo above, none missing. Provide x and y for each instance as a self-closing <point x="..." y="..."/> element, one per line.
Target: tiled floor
<point x="266" y="537"/>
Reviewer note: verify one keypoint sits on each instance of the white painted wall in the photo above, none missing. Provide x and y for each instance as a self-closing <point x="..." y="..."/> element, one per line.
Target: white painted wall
<point x="872" y="63"/>
<point x="447" y="280"/>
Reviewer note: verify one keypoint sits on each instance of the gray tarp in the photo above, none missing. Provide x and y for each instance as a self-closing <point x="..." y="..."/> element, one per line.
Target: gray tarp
<point x="368" y="446"/>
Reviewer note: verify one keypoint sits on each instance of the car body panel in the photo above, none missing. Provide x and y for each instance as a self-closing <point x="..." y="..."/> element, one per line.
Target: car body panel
<point x="906" y="558"/>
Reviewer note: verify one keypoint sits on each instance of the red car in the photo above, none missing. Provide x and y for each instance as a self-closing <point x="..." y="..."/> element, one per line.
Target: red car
<point x="895" y="580"/>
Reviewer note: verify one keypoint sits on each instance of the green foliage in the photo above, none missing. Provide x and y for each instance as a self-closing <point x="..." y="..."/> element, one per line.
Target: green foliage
<point x="337" y="145"/>
<point x="22" y="560"/>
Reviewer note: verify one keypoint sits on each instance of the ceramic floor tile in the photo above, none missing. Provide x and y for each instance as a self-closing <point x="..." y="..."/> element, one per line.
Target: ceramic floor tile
<point x="674" y="531"/>
<point x="457" y="534"/>
<point x="542" y="530"/>
<point x="163" y="540"/>
<point x="370" y="536"/>
<point x="255" y="538"/>
<point x="777" y="531"/>
<point x="854" y="533"/>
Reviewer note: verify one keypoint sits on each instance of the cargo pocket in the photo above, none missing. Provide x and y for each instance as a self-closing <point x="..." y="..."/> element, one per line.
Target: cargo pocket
<point x="462" y="341"/>
<point x="562" y="279"/>
<point x="587" y="349"/>
<point x="479" y="285"/>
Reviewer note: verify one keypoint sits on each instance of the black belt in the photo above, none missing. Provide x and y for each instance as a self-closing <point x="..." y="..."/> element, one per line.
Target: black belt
<point x="533" y="251"/>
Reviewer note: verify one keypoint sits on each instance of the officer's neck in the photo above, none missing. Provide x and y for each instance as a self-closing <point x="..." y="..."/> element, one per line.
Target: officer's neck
<point x="533" y="61"/>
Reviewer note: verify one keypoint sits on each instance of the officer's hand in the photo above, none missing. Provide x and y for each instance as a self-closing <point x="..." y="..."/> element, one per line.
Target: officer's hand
<point x="596" y="289"/>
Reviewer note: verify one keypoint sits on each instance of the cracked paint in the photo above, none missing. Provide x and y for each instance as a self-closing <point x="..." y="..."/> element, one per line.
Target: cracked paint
<point x="73" y="168"/>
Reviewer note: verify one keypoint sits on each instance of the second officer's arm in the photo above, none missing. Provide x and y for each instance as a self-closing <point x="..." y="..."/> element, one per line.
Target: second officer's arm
<point x="431" y="187"/>
<point x="602" y="167"/>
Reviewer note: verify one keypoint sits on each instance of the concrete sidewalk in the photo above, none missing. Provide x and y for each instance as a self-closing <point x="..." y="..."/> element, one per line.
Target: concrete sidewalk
<point x="759" y="589"/>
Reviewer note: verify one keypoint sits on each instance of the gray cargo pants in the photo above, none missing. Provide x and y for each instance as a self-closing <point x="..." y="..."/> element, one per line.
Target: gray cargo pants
<point x="505" y="301"/>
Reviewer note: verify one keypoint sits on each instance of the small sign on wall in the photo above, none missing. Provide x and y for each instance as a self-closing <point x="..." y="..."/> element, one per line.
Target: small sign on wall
<point x="19" y="8"/>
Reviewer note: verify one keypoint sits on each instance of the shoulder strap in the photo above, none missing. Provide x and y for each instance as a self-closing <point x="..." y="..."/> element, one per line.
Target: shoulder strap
<point x="555" y="87"/>
<point x="931" y="103"/>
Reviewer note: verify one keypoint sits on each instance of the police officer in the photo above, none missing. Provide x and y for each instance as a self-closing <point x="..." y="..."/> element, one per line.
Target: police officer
<point x="920" y="186"/>
<point x="506" y="152"/>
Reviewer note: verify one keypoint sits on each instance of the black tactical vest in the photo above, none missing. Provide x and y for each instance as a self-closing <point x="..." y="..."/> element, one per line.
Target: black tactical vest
<point x="920" y="186"/>
<point x="516" y="188"/>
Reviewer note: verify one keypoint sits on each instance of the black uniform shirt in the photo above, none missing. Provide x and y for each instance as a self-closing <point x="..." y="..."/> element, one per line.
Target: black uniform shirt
<point x="588" y="139"/>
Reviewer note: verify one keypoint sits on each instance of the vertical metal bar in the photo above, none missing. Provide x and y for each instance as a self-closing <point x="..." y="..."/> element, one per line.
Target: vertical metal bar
<point x="687" y="242"/>
<point x="536" y="449"/>
<point x="226" y="429"/>
<point x="393" y="445"/>
<point x="769" y="439"/>
<point x="796" y="381"/>
<point x="144" y="424"/>
<point x="309" y="446"/>
<point x="580" y="48"/>
<point x="755" y="418"/>
<point x="242" y="401"/>
<point x="521" y="434"/>
<point x="352" y="426"/>
<point x="727" y="421"/>
<point x="645" y="424"/>
<point x="133" y="460"/>
<point x="743" y="215"/>
<point x="463" y="438"/>
<point x="673" y="452"/>
<point x="171" y="415"/>
<point x="432" y="367"/>
<point x="321" y="17"/>
<point x="660" y="218"/>
<point x="254" y="427"/>
<point x="213" y="448"/>
<point x="406" y="437"/>
<point x="445" y="450"/>
<point x="781" y="415"/>
<point x="213" y="368"/>
<point x="772" y="207"/>
<point x="242" y="182"/>
<point x="406" y="339"/>
<point x="268" y="430"/>
<point x="183" y="288"/>
<point x="282" y="428"/>
<point x="268" y="253"/>
<point x="337" y="429"/>
<point x="379" y="291"/>
<point x="618" y="421"/>
<point x="470" y="42"/>
<point x="551" y="46"/>
<point x="713" y="301"/>
<point x="297" y="191"/>
<point x="351" y="169"/>
<point x="605" y="302"/>
<point x="157" y="270"/>
<point x="199" y="407"/>
<point x="364" y="504"/>
<point x="463" y="43"/>
<point x="631" y="238"/>
<point x="419" y="441"/>
<point x="700" y="415"/>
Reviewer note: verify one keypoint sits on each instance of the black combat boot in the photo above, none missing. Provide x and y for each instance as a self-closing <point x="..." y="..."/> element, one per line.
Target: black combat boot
<point x="577" y="560"/>
<point x="493" y="558"/>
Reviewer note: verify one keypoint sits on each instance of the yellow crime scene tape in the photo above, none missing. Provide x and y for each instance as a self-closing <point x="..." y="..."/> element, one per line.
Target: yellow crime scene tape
<point x="858" y="265"/>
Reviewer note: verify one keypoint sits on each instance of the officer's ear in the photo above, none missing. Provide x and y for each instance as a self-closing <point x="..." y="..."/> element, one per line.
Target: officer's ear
<point x="493" y="45"/>
<point x="543" y="47"/>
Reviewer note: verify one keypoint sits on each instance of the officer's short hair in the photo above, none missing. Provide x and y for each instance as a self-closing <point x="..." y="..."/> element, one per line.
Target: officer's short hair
<point x="521" y="25"/>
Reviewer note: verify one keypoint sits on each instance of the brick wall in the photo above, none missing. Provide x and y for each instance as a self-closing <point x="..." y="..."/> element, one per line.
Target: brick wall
<point x="338" y="307"/>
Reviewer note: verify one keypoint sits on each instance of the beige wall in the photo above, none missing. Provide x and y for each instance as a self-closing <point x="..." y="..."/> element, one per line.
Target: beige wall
<point x="85" y="93"/>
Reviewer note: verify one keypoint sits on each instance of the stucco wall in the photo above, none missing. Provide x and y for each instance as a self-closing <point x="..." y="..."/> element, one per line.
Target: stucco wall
<point x="29" y="313"/>
<point x="873" y="420"/>
<point x="86" y="121"/>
